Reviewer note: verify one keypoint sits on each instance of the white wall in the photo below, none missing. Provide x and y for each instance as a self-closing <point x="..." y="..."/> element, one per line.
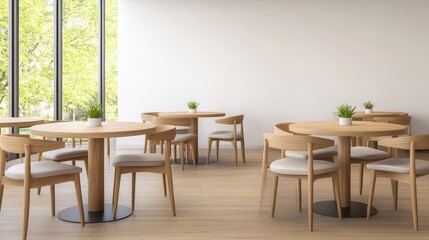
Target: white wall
<point x="274" y="61"/>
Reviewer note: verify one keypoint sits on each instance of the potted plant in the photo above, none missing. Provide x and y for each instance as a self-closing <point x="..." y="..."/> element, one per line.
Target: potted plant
<point x="345" y="113"/>
<point x="192" y="106"/>
<point x="368" y="106"/>
<point x="94" y="113"/>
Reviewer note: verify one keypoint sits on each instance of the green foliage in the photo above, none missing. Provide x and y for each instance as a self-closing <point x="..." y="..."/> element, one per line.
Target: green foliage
<point x="346" y="111"/>
<point x="80" y="58"/>
<point x="94" y="110"/>
<point x="193" y="104"/>
<point x="368" y="105"/>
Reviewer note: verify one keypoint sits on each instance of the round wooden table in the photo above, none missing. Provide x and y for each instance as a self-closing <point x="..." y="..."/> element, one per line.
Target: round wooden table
<point x="96" y="210"/>
<point x="369" y="116"/>
<point x="20" y="121"/>
<point x="194" y="116"/>
<point x="344" y="134"/>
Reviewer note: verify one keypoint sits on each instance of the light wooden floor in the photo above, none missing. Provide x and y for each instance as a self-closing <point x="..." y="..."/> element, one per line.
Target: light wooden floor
<point x="218" y="201"/>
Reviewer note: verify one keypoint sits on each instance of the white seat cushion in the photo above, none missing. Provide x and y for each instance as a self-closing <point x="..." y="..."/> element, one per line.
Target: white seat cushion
<point x="224" y="135"/>
<point x="182" y="130"/>
<point x="367" y="153"/>
<point x="399" y="165"/>
<point x="299" y="166"/>
<point x="317" y="154"/>
<point x="139" y="160"/>
<point x="183" y="137"/>
<point x="64" y="153"/>
<point x="41" y="169"/>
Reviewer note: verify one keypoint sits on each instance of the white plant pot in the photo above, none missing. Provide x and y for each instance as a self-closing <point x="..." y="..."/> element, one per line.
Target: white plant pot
<point x="368" y="110"/>
<point x="192" y="110"/>
<point x="345" y="121"/>
<point x="94" y="122"/>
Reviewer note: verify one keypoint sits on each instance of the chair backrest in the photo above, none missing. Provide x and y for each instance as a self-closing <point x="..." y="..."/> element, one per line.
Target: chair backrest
<point x="401" y="120"/>
<point x="162" y="133"/>
<point x="417" y="142"/>
<point x="296" y="142"/>
<point x="231" y="120"/>
<point x="283" y="129"/>
<point x="148" y="116"/>
<point x="184" y="122"/>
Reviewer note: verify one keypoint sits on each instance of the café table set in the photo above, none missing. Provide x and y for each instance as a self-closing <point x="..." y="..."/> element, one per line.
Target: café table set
<point x="98" y="211"/>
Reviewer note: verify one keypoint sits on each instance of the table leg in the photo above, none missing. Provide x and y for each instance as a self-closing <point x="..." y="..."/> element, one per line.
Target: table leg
<point x="96" y="210"/>
<point x="194" y="129"/>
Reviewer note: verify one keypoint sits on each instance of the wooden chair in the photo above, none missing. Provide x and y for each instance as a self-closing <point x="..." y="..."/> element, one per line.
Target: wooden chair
<point x="147" y="117"/>
<point x="65" y="154"/>
<point x="36" y="174"/>
<point x="366" y="154"/>
<point x="401" y="169"/>
<point x="184" y="140"/>
<point x="147" y="162"/>
<point x="232" y="136"/>
<point x="299" y="168"/>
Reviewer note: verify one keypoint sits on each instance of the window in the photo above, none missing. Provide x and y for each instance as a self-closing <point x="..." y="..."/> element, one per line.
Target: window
<point x="111" y="60"/>
<point x="4" y="58"/>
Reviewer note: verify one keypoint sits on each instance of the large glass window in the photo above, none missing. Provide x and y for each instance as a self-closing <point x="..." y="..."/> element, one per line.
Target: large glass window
<point x="4" y="58"/>
<point x="80" y="57"/>
<point x="111" y="60"/>
<point x="36" y="58"/>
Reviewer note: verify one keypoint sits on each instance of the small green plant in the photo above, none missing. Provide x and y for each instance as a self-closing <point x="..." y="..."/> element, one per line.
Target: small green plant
<point x="345" y="111"/>
<point x="94" y="111"/>
<point x="193" y="104"/>
<point x="368" y="105"/>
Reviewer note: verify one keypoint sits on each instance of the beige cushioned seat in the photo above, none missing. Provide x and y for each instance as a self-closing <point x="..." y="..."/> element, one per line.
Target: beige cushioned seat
<point x="140" y="160"/>
<point x="399" y="165"/>
<point x="317" y="154"/>
<point x="224" y="135"/>
<point x="368" y="153"/>
<point x="182" y="130"/>
<point x="62" y="153"/>
<point x="183" y="137"/>
<point x="299" y="166"/>
<point x="41" y="169"/>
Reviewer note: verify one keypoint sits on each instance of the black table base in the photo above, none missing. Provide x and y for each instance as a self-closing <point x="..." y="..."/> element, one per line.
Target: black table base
<point x="329" y="208"/>
<point x="71" y="214"/>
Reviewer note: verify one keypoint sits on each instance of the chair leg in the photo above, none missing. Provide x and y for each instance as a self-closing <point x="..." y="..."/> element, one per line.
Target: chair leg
<point x="116" y="190"/>
<point x="164" y="183"/>
<point x="361" y="165"/>
<point x="26" y="211"/>
<point x="79" y="199"/>
<point x="194" y="159"/>
<point x="217" y="151"/>
<point x="234" y="144"/>
<point x="275" y="184"/>
<point x="310" y="204"/>
<point x="394" y="184"/>
<point x="108" y="146"/>
<point x="208" y="151"/>
<point x="336" y="183"/>
<point x="145" y="146"/>
<point x="174" y="152"/>
<point x="262" y="190"/>
<point x="413" y="190"/>
<point x="171" y="192"/>
<point x="86" y="166"/>
<point x="1" y="193"/>
<point x="371" y="193"/>
<point x="53" y="200"/>
<point x="299" y="194"/>
<point x="243" y="151"/>
<point x="133" y="190"/>
<point x="181" y="148"/>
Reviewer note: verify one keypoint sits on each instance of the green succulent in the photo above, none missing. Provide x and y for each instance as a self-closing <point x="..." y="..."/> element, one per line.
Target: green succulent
<point x="346" y="111"/>
<point x="368" y="105"/>
<point x="193" y="104"/>
<point x="94" y="110"/>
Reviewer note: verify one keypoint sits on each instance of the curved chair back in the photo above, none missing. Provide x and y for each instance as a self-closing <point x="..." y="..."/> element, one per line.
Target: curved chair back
<point x="231" y="120"/>
<point x="296" y="142"/>
<point x="14" y="144"/>
<point x="148" y="116"/>
<point x="283" y="129"/>
<point x="184" y="122"/>
<point x="401" y="120"/>
<point x="417" y="142"/>
<point x="162" y="133"/>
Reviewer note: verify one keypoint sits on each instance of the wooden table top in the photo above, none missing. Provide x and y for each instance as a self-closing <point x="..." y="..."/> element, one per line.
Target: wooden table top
<point x="358" y="128"/>
<point x="81" y="130"/>
<point x="191" y="115"/>
<point x="20" y="121"/>
<point x="378" y="114"/>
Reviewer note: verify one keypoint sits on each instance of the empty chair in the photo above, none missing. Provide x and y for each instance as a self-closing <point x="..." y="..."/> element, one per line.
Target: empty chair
<point x="147" y="117"/>
<point x="36" y="174"/>
<point x="401" y="169"/>
<point x="147" y="162"/>
<point x="184" y="140"/>
<point x="365" y="154"/>
<point x="300" y="168"/>
<point x="235" y="135"/>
